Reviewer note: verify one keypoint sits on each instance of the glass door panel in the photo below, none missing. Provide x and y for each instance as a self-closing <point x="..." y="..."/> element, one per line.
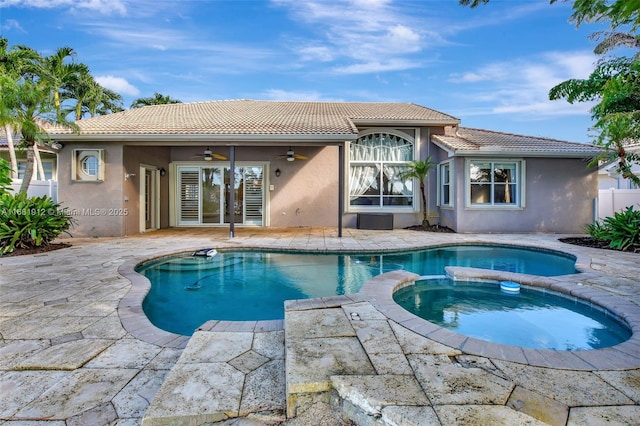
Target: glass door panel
<point x="204" y="195"/>
<point x="148" y="198"/>
<point x="211" y="194"/>
<point x="238" y="193"/>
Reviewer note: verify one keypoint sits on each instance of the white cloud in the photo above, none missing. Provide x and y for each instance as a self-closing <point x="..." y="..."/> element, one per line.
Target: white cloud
<point x="377" y="66"/>
<point x="364" y="36"/>
<point x="142" y="35"/>
<point x="181" y="48"/>
<point x="316" y="53"/>
<point x="577" y="64"/>
<point x="495" y="17"/>
<point x="105" y="7"/>
<point x="117" y="84"/>
<point x="491" y="72"/>
<point x="522" y="86"/>
<point x="402" y="34"/>
<point x="12" y="24"/>
<point x="310" y="95"/>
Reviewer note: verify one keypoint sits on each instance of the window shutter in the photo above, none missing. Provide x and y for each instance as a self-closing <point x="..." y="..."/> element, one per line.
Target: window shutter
<point x="189" y="196"/>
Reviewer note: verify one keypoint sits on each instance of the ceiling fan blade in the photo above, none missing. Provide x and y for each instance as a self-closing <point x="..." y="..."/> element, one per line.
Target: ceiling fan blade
<point x="291" y="155"/>
<point x="209" y="155"/>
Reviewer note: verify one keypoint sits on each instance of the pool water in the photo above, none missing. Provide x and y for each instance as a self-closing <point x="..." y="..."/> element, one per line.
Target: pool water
<point x="531" y="318"/>
<point x="187" y="291"/>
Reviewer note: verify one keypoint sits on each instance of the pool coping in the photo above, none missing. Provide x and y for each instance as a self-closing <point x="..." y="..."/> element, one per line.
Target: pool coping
<point x="136" y="322"/>
<point x="379" y="293"/>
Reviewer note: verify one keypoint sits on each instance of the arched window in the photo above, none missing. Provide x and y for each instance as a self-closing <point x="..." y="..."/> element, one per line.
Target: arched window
<point x="376" y="162"/>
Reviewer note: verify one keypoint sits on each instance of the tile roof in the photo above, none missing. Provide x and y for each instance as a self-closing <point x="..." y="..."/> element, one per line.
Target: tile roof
<point x="248" y="117"/>
<point x="465" y="140"/>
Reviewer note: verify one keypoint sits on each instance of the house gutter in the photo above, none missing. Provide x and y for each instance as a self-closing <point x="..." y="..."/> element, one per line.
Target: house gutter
<point x="163" y="139"/>
<point x="408" y="122"/>
<point x="509" y="153"/>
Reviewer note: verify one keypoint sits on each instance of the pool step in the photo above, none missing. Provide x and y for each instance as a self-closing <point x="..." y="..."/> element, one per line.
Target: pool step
<point x="222" y="375"/>
<point x="344" y="352"/>
<point x="375" y="372"/>
<point x="320" y="342"/>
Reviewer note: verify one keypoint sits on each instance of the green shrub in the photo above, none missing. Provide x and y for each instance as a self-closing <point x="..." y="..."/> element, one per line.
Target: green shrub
<point x="621" y="231"/>
<point x="28" y="222"/>
<point x="596" y="231"/>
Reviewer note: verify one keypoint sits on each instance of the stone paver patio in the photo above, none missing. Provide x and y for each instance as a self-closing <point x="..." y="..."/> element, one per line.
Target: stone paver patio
<point x="76" y="349"/>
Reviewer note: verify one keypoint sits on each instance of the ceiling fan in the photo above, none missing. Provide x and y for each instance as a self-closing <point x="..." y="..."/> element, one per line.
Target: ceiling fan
<point x="209" y="155"/>
<point x="291" y="156"/>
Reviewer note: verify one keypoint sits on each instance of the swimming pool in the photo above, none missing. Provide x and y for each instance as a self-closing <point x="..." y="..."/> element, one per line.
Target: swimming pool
<point x="528" y="318"/>
<point x="187" y="291"/>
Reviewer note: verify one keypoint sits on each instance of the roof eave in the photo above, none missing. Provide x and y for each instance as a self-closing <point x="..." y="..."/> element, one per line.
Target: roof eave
<point x="410" y="123"/>
<point x="511" y="153"/>
<point x="450" y="152"/>
<point x="220" y="138"/>
<point x="41" y="148"/>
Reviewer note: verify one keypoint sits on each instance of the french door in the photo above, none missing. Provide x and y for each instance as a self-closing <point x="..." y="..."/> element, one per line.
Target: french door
<point x="149" y="200"/>
<point x="204" y="195"/>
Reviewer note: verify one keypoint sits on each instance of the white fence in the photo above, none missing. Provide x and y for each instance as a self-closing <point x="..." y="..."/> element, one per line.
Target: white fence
<point x="615" y="200"/>
<point x="38" y="188"/>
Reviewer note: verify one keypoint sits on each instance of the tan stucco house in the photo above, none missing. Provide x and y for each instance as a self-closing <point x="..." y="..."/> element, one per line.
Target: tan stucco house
<point x="290" y="164"/>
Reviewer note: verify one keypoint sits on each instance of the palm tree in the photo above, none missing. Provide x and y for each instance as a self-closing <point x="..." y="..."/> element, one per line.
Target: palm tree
<point x="6" y="120"/>
<point x="419" y="170"/>
<point x="13" y="63"/>
<point x="33" y="90"/>
<point x="32" y="107"/>
<point x="35" y="100"/>
<point x="56" y="74"/>
<point x="104" y="101"/>
<point x="5" y="177"/>
<point x="156" y="99"/>
<point x="90" y="96"/>
<point x="78" y="89"/>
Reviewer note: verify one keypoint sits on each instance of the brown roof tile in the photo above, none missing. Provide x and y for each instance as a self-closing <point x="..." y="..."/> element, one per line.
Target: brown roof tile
<point x="464" y="140"/>
<point x="247" y="117"/>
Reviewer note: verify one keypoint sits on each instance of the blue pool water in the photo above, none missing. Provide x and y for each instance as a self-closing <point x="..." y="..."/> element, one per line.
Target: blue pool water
<point x="530" y="318"/>
<point x="187" y="291"/>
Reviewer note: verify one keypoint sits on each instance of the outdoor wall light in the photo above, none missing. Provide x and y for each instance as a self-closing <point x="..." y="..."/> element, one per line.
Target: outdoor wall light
<point x="277" y="172"/>
<point x="163" y="172"/>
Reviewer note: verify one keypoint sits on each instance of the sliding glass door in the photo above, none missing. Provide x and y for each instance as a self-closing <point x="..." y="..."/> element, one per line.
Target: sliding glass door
<point x="204" y="195"/>
<point x="212" y="200"/>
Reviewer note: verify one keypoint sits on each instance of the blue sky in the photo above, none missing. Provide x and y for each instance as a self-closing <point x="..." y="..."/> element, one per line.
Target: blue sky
<point x="492" y="67"/>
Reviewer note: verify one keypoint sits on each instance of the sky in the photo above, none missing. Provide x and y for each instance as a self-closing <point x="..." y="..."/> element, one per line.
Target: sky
<point x="491" y="67"/>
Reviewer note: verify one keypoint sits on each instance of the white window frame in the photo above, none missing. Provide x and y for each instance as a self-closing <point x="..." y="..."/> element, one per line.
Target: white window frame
<point x="415" y="201"/>
<point x="445" y="167"/>
<point x="175" y="169"/>
<point x="22" y="165"/>
<point x="81" y="155"/>
<point x="519" y="204"/>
